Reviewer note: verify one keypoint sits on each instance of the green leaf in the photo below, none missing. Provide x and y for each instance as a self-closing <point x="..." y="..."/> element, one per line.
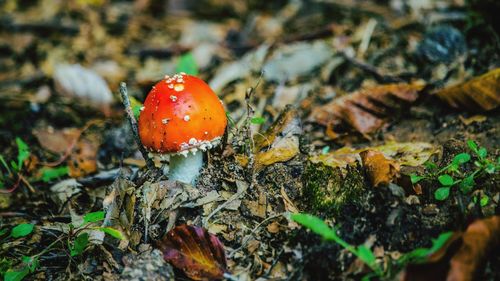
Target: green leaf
<point x="4" y="163"/>
<point x="472" y="145"/>
<point x="446" y="180"/>
<point x="31" y="263"/>
<point x="482" y="152"/>
<point x="257" y="120"/>
<point x="484" y="201"/>
<point x="93" y="217"/>
<point x="22" y="152"/>
<point x="22" y="230"/>
<point x="419" y="255"/>
<point x="415" y="178"/>
<point x="16" y="275"/>
<point x="467" y="184"/>
<point x="136" y="107"/>
<point x="430" y="165"/>
<point x="316" y="225"/>
<point x="490" y="168"/>
<point x="80" y="244"/>
<point x="366" y="255"/>
<point x="461" y="158"/>
<point x="187" y="64"/>
<point x="113" y="232"/>
<point x="442" y="193"/>
<point x="48" y="174"/>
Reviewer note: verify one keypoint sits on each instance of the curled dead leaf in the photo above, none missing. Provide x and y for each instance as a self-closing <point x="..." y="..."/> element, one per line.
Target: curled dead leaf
<point x="380" y="170"/>
<point x="199" y="254"/>
<point x="83" y="160"/>
<point x="280" y="142"/>
<point x="366" y="110"/>
<point x="481" y="93"/>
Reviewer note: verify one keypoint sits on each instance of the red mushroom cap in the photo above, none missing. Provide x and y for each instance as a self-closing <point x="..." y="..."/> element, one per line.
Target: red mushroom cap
<point x="181" y="113"/>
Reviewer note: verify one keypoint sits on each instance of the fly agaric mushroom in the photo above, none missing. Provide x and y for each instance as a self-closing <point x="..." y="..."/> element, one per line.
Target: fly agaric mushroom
<point x="182" y="117"/>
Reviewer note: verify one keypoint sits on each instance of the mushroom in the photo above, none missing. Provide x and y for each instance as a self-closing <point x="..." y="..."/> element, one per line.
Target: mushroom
<point x="182" y="117"/>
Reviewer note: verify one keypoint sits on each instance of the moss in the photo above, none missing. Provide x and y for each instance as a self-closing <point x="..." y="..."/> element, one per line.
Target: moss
<point x="328" y="189"/>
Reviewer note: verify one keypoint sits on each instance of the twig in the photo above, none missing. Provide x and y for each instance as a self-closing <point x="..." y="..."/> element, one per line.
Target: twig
<point x="372" y="70"/>
<point x="133" y="124"/>
<point x="247" y="237"/>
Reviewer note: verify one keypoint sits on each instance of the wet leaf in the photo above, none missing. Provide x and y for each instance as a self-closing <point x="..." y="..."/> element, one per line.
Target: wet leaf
<point x="199" y="254"/>
<point x="366" y="110"/>
<point x="380" y="170"/>
<point x="481" y="93"/>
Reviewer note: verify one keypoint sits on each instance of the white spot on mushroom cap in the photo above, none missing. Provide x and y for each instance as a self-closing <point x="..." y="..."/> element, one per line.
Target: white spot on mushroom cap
<point x="165" y="121"/>
<point x="178" y="87"/>
<point x="187" y="118"/>
<point x="173" y="98"/>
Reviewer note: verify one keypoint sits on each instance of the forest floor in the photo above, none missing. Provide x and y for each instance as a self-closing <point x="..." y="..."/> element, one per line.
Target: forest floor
<point x="362" y="142"/>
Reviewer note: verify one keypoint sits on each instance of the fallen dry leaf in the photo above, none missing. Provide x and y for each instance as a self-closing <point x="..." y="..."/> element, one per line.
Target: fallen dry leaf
<point x="405" y="153"/>
<point x="380" y="170"/>
<point x="366" y="110"/>
<point x="199" y="254"/>
<point x="83" y="160"/>
<point x="481" y="93"/>
<point x="56" y="141"/>
<point x="280" y="142"/>
<point x="463" y="259"/>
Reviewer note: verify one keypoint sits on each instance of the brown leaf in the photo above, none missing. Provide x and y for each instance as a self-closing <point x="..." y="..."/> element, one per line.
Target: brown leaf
<point x="280" y="142"/>
<point x="83" y="160"/>
<point x="57" y="141"/>
<point x="380" y="170"/>
<point x="481" y="93"/>
<point x="462" y="258"/>
<point x="199" y="254"/>
<point x="367" y="110"/>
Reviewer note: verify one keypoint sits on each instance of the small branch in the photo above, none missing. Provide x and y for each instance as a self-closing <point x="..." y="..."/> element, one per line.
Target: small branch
<point x="380" y="77"/>
<point x="133" y="124"/>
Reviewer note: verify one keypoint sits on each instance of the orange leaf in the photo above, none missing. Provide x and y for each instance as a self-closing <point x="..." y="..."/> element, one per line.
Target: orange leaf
<point x="199" y="254"/>
<point x="83" y="160"/>
<point x="367" y="110"/>
<point x="380" y="170"/>
<point x="481" y="93"/>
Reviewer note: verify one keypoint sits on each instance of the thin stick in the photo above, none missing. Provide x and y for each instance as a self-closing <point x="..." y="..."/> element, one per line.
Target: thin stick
<point x="133" y="124"/>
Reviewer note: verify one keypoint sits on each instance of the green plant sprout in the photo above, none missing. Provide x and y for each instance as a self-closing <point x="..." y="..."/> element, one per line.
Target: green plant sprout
<point x="453" y="175"/>
<point x="364" y="253"/>
<point x="77" y="241"/>
<point x="13" y="174"/>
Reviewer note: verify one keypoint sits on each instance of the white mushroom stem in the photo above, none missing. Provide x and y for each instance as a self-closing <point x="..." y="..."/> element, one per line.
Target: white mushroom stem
<point x="185" y="168"/>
